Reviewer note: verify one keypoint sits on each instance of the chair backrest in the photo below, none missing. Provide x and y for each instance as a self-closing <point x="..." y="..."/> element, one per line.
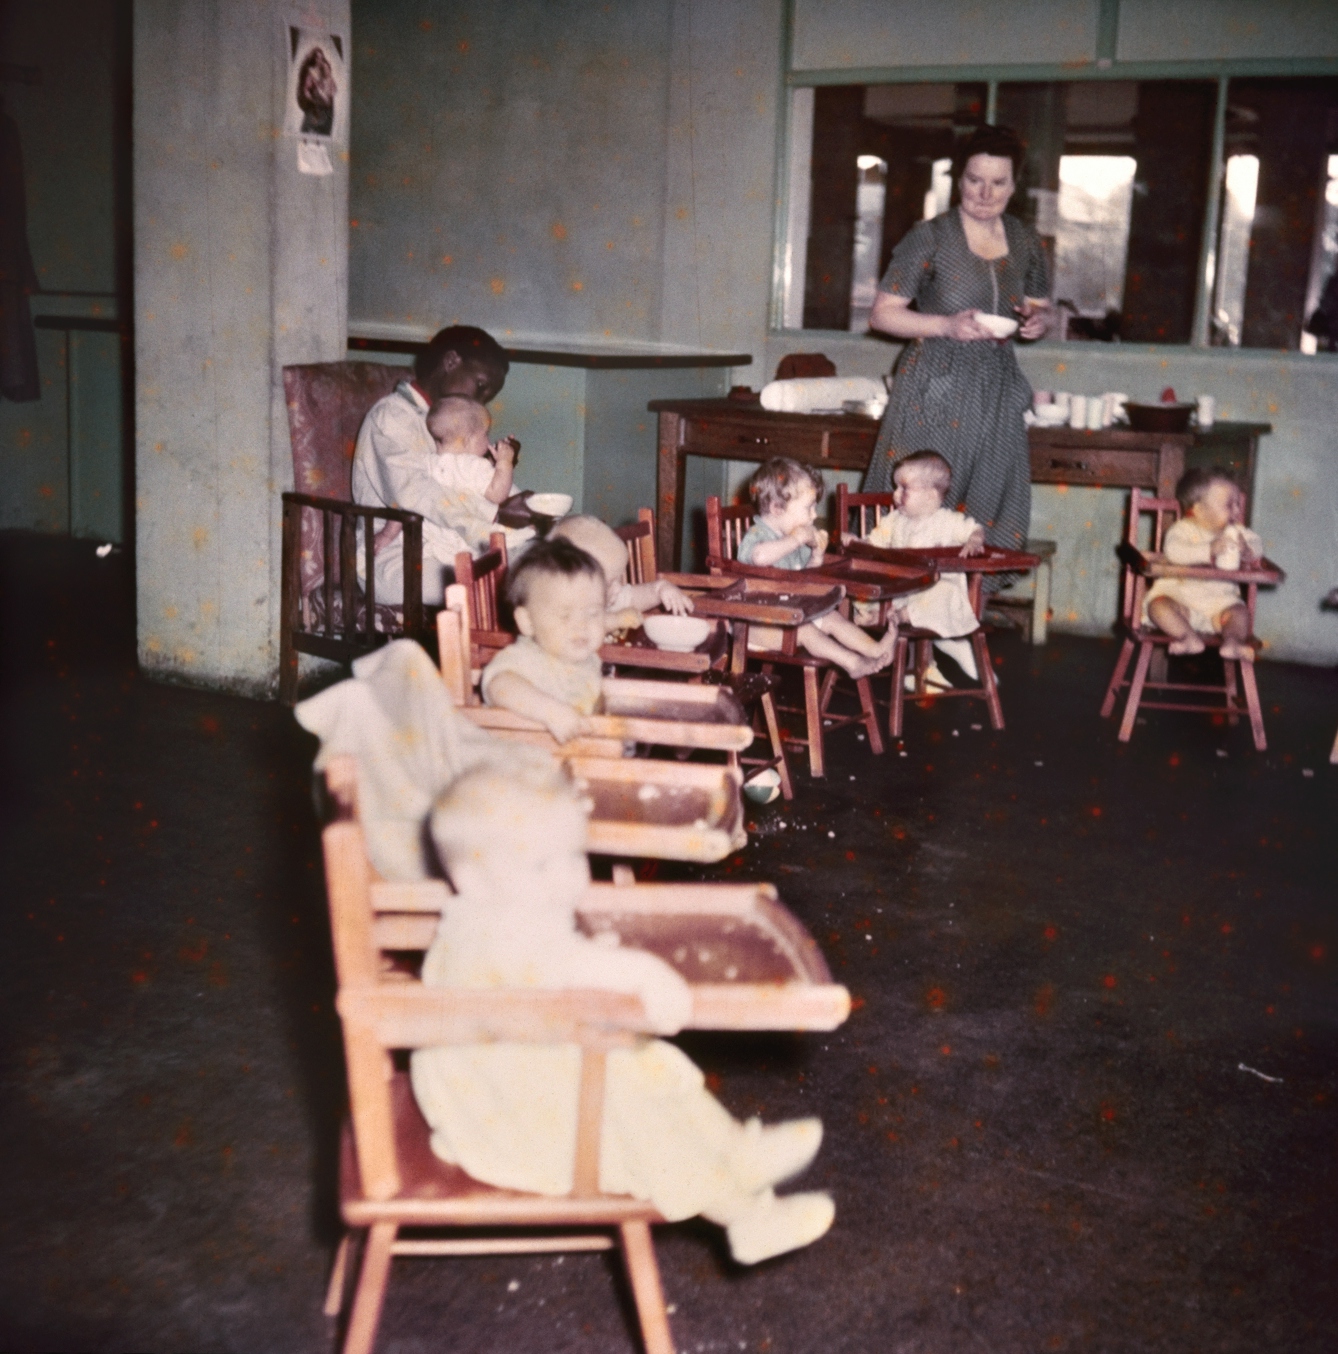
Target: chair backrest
<point x="1162" y="512"/>
<point x="858" y="514"/>
<point x="483" y="580"/>
<point x="726" y="526"/>
<point x="639" y="537"/>
<point x="327" y="402"/>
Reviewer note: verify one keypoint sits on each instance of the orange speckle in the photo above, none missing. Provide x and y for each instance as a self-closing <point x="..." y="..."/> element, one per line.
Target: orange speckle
<point x="498" y="286"/>
<point x="1095" y="810"/>
<point x="857" y="1003"/>
<point x="1061" y="488"/>
<point x="1317" y="952"/>
<point x="1174" y="759"/>
<point x="935" y="998"/>
<point x="1044" y="999"/>
<point x="1107" y="1112"/>
<point x="178" y="251"/>
<point x="946" y="1050"/>
<point x="559" y="230"/>
<point x="1227" y="928"/>
<point x="139" y="976"/>
<point x="425" y="25"/>
<point x="850" y="855"/>
<point x="353" y="224"/>
<point x="184" y="1135"/>
<point x="578" y="286"/>
<point x="1051" y="933"/>
<point x="1110" y="980"/>
<point x="713" y="1082"/>
<point x="45" y="490"/>
<point x="462" y="45"/>
<point x="447" y="260"/>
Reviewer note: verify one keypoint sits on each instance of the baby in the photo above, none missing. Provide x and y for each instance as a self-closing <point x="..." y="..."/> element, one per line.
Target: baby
<point x="513" y="843"/>
<point x="783" y="536"/>
<point x="1211" y="531"/>
<point x="625" y="602"/>
<point x="552" y="672"/>
<point x="473" y="484"/>
<point x="919" y="520"/>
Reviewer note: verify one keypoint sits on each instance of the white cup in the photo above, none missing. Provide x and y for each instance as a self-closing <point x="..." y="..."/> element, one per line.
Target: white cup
<point x="1077" y="411"/>
<point x="1206" y="410"/>
<point x="1040" y="397"/>
<point x="1096" y="408"/>
<point x="1062" y="398"/>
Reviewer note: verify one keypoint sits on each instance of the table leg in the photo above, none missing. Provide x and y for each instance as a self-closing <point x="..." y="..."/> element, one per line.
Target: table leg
<point x="670" y="472"/>
<point x="1170" y="466"/>
<point x="1040" y="602"/>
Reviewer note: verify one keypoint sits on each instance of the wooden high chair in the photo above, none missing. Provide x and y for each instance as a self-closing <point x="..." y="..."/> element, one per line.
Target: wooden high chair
<point x="1141" y="567"/>
<point x="726" y="525"/>
<point x="752" y="966"/>
<point x="482" y="582"/>
<point x="640" y="808"/>
<point x="863" y="512"/>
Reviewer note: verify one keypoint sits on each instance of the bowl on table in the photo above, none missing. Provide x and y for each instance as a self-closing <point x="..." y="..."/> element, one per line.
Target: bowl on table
<point x="1051" y="415"/>
<point x="677" y="634"/>
<point x="1159" y="418"/>
<point x="764" y="787"/>
<point x="999" y="325"/>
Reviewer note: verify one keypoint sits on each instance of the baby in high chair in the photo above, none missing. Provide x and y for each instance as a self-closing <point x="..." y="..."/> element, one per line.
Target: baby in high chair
<point x="552" y="673"/>
<point x="626" y="602"/>
<point x="1210" y="531"/>
<point x="919" y="520"/>
<point x="513" y="843"/>
<point x="476" y="476"/>
<point x="782" y="536"/>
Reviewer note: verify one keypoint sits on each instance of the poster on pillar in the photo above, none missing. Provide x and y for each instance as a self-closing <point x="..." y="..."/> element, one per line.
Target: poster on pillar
<point x="316" y="97"/>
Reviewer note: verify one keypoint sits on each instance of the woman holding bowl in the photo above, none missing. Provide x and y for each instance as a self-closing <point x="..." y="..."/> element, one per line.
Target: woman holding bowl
<point x="958" y="389"/>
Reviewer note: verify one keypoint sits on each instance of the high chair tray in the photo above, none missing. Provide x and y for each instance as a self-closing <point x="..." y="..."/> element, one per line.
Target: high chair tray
<point x="1158" y="566"/>
<point x="947" y="559"/>
<point x="777" y="597"/>
<point x="670" y="714"/>
<point x="751" y="963"/>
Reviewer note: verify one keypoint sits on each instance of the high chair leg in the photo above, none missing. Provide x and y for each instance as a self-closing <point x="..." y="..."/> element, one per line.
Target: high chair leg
<point x="1232" y="692"/>
<point x="777" y="745"/>
<point x="987" y="680"/>
<point x="644" y="1275"/>
<point x="1117" y="680"/>
<point x="334" y="1294"/>
<point x="1136" y="690"/>
<point x="371" y="1291"/>
<point x="870" y="709"/>
<point x="896" y="706"/>
<point x="1252" y="701"/>
<point x="813" y="715"/>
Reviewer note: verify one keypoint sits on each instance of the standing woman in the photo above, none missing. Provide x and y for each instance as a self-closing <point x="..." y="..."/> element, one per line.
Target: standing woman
<point x="958" y="390"/>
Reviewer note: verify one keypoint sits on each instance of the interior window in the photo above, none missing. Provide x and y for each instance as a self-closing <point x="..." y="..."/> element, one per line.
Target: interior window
<point x="1116" y="183"/>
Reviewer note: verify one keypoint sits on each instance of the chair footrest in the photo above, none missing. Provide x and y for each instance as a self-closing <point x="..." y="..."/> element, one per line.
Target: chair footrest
<point x="538" y="1245"/>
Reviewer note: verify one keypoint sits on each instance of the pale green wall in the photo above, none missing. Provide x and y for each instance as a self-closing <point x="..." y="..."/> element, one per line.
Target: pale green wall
<point x="61" y="456"/>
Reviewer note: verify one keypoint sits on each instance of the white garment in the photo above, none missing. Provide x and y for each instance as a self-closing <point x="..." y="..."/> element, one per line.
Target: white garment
<point x="945" y="606"/>
<point x="1204" y="599"/>
<point x="393" y="468"/>
<point x="507" y="1113"/>
<point x="395" y="717"/>
<point x="579" y="685"/>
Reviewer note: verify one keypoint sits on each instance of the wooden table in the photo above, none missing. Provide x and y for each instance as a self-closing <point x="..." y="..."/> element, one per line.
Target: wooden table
<point x="730" y="430"/>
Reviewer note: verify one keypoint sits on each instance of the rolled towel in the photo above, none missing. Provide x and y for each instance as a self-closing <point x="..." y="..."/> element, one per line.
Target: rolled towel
<point x="804" y="394"/>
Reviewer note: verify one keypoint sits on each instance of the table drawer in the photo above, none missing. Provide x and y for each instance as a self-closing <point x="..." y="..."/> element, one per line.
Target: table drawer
<point x="1083" y="465"/>
<point x="758" y="440"/>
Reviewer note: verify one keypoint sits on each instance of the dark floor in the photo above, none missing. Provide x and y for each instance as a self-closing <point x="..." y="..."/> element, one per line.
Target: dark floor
<point x="1086" y="1100"/>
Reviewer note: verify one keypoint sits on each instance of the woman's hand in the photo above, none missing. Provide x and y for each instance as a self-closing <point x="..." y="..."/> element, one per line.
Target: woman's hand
<point x="965" y="328"/>
<point x="1035" y="317"/>
<point x="975" y="544"/>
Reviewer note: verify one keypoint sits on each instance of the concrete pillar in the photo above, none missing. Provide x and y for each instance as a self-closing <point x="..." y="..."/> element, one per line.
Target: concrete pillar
<point x="240" y="267"/>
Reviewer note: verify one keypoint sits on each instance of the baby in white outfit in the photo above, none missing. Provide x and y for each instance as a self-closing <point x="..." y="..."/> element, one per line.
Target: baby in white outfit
<point x="919" y="521"/>
<point x="513" y="842"/>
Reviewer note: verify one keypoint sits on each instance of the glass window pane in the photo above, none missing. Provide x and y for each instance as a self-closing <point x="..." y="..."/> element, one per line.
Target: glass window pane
<point x="1280" y="134"/>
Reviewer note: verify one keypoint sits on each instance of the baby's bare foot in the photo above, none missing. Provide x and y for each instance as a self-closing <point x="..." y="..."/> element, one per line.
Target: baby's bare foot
<point x="866" y="667"/>
<point x="1190" y="644"/>
<point x="1233" y="648"/>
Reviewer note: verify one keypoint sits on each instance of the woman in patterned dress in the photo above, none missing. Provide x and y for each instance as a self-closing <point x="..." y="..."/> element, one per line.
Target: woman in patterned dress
<point x="958" y="390"/>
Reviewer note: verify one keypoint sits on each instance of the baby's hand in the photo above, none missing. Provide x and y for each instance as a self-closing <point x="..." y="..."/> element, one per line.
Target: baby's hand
<point x="820" y="539"/>
<point x="625" y="618"/>
<point x="975" y="544"/>
<point x="805" y="535"/>
<point x="506" y="452"/>
<point x="674" y="599"/>
<point x="565" y="723"/>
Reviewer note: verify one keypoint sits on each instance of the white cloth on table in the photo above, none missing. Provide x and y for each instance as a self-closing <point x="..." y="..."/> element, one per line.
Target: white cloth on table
<point x="396" y="718"/>
<point x="1204" y="599"/>
<point x="803" y="394"/>
<point x="945" y="606"/>
<point x="576" y="684"/>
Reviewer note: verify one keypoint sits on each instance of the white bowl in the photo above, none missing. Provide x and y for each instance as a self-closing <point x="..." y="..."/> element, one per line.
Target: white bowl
<point x="764" y="787"/>
<point x="678" y="634"/>
<point x="549" y="505"/>
<point x="998" y="325"/>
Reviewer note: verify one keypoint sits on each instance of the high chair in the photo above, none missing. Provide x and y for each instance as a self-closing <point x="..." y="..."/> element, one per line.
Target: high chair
<point x="863" y="512"/>
<point x="482" y="581"/>
<point x="753" y="690"/>
<point x="752" y="966"/>
<point x="640" y="808"/>
<point x="726" y="525"/>
<point x="1141" y="567"/>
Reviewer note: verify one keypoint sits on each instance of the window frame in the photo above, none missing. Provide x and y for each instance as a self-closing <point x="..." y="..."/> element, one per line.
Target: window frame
<point x="1105" y="67"/>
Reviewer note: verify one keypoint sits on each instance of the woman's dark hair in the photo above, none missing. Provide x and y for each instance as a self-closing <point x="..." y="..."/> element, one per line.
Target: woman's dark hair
<point x="1003" y="142"/>
<point x="558" y="558"/>
<point x="469" y="343"/>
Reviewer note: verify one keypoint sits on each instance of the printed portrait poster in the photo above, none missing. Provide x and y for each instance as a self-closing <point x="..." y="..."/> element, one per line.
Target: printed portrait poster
<point x="317" y="97"/>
